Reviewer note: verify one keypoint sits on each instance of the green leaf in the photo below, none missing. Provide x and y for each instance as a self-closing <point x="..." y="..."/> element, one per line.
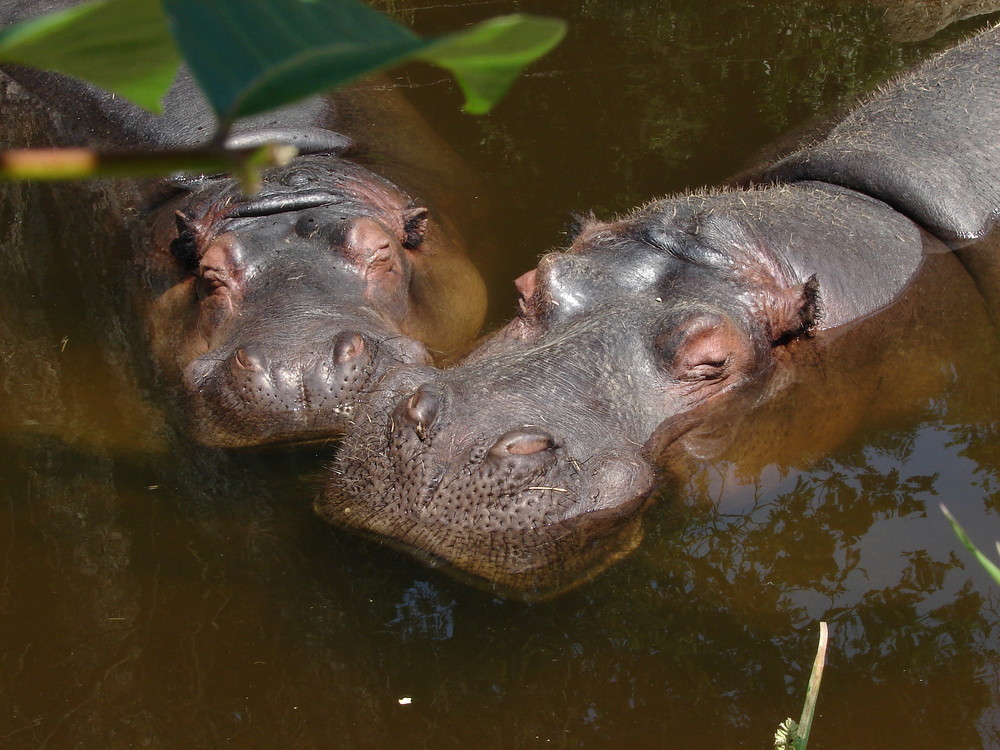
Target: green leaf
<point x="988" y="564"/>
<point x="487" y="58"/>
<point x="254" y="55"/>
<point x="123" y="46"/>
<point x="250" y="56"/>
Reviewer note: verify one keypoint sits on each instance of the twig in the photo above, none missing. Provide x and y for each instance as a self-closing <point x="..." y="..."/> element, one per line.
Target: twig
<point x="85" y="163"/>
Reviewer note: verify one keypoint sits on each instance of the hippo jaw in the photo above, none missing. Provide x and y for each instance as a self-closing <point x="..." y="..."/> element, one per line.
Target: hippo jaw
<point x="536" y="565"/>
<point x="545" y="505"/>
<point x="558" y="497"/>
<point x="521" y="518"/>
<point x="526" y="514"/>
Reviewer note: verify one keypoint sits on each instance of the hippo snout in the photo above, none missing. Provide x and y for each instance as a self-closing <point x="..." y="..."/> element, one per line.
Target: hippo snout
<point x="328" y="378"/>
<point x="513" y="511"/>
<point x="252" y="365"/>
<point x="260" y="389"/>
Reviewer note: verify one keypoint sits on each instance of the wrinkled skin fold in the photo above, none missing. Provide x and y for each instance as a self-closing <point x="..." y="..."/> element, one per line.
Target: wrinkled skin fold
<point x="839" y="279"/>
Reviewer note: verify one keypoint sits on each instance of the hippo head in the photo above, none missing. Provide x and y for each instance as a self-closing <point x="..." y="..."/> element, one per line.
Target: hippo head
<point x="525" y="467"/>
<point x="288" y="303"/>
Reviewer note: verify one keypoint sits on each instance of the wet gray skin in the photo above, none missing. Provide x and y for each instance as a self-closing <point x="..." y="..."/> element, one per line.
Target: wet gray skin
<point x="289" y="301"/>
<point x="524" y="468"/>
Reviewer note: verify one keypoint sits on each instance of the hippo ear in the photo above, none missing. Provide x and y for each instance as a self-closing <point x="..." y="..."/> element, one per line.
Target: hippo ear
<point x="791" y="311"/>
<point x="721" y="240"/>
<point x="414" y="227"/>
<point x="185" y="247"/>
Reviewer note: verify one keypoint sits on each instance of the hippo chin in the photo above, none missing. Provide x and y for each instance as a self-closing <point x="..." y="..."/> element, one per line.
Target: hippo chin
<point x="525" y="468"/>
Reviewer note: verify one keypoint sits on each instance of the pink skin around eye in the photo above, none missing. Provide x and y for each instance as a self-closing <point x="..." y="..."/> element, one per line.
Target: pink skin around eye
<point x="376" y="254"/>
<point x="221" y="284"/>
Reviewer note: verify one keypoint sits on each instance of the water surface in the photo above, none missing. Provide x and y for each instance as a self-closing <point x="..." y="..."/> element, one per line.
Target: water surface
<point x="154" y="594"/>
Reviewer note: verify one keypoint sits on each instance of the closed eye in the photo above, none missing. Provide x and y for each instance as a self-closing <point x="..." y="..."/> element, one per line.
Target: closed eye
<point x="705" y="371"/>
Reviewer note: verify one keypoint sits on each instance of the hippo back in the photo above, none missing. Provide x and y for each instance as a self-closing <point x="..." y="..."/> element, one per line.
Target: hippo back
<point x="922" y="144"/>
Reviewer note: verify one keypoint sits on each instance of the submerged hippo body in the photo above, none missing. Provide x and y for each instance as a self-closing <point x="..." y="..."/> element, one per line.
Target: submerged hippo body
<point x="843" y="283"/>
<point x="270" y="314"/>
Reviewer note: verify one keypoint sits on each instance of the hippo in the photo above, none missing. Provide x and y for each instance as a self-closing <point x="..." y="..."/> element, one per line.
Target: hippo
<point x="832" y="286"/>
<point x="268" y="315"/>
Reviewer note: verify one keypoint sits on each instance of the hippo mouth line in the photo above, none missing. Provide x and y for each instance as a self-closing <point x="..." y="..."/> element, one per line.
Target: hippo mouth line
<point x="227" y="427"/>
<point x="294" y="442"/>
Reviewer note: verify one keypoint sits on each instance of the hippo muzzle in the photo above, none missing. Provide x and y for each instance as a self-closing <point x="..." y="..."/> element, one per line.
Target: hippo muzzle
<point x="518" y="513"/>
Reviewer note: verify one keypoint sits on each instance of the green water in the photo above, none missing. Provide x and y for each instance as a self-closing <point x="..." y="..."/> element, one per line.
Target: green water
<point x="153" y="594"/>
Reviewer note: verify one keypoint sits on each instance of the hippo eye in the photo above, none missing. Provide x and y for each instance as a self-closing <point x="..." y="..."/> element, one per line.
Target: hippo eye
<point x="691" y="361"/>
<point x="700" y="349"/>
<point x="382" y="262"/>
<point x="705" y="371"/>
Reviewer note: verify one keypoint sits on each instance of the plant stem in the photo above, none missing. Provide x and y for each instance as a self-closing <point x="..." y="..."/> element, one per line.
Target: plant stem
<point x="812" y="693"/>
<point x="988" y="564"/>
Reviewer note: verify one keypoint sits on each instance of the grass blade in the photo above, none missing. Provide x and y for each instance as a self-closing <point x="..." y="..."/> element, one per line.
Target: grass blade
<point x="988" y="564"/>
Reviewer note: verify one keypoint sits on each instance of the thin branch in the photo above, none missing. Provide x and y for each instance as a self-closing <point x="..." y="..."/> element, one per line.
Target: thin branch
<point x="85" y="163"/>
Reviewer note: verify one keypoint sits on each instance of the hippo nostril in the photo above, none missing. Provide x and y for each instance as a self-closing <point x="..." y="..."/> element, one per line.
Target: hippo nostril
<point x="248" y="359"/>
<point x="526" y="441"/>
<point x="306" y="227"/>
<point x="347" y="346"/>
<point x="421" y="410"/>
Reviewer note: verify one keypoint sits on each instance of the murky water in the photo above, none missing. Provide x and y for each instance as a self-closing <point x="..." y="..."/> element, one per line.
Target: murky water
<point x="153" y="594"/>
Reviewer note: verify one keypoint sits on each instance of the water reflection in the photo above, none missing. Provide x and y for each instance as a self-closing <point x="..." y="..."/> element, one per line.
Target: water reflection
<point x="422" y="613"/>
<point x="153" y="594"/>
<point x="857" y="541"/>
